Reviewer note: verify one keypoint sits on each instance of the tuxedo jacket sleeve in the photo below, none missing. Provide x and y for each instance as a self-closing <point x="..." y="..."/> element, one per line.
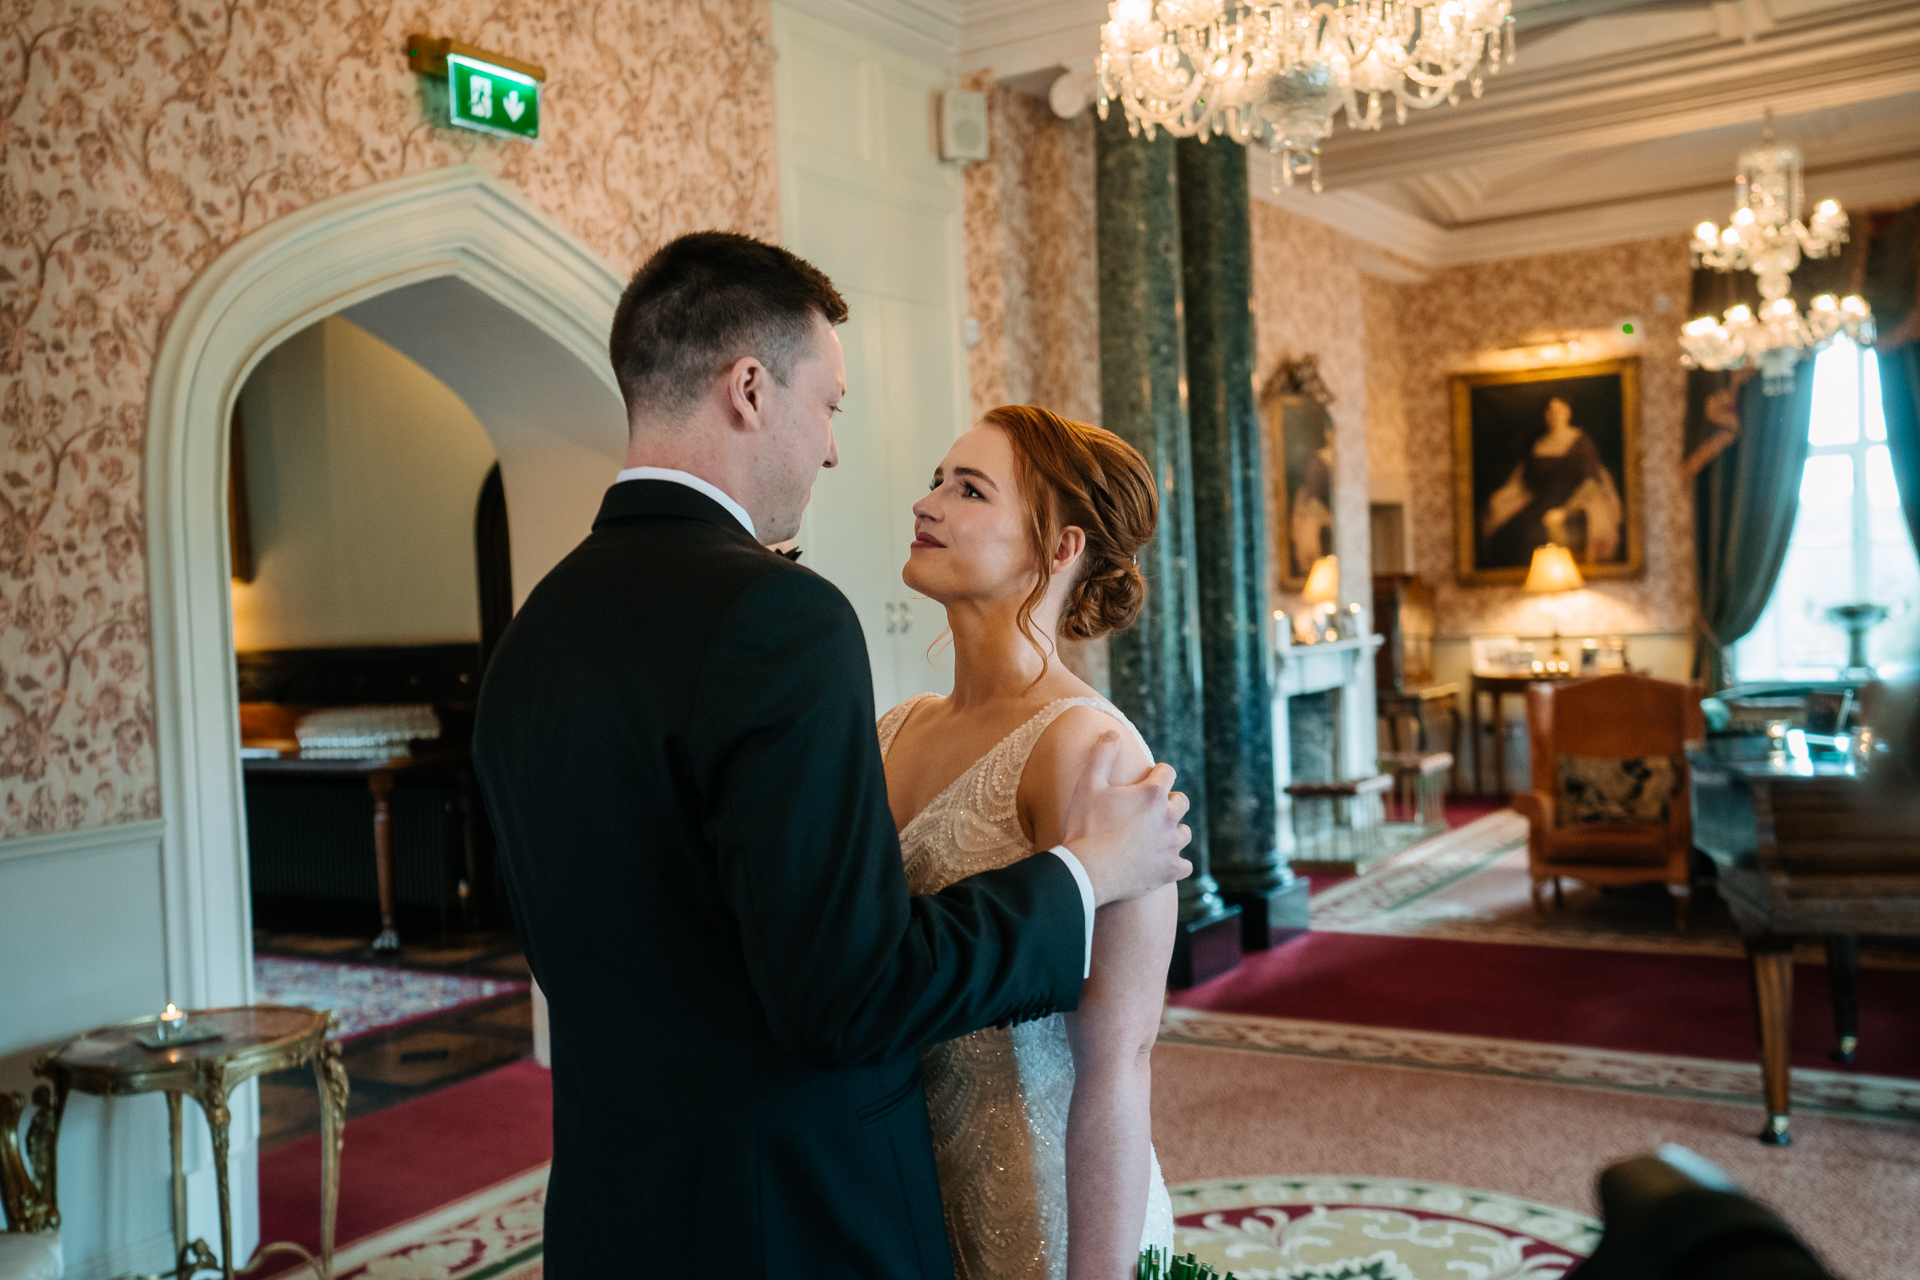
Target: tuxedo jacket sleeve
<point x="848" y="967"/>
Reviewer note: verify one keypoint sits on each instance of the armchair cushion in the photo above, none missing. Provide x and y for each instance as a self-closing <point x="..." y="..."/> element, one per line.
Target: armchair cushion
<point x="1630" y="789"/>
<point x="1609" y="844"/>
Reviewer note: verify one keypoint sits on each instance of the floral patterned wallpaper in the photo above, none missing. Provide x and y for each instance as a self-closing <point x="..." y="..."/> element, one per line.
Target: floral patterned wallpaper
<point x="1386" y="350"/>
<point x="1032" y="282"/>
<point x="1033" y="285"/>
<point x="1456" y="320"/>
<point x="1307" y="301"/>
<point x="144" y="137"/>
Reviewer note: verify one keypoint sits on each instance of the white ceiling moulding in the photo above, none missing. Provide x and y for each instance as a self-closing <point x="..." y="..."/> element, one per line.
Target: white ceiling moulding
<point x="1383" y="267"/>
<point x="1867" y="51"/>
<point x="1019" y="37"/>
<point x="925" y="30"/>
<point x="1365" y="218"/>
<point x="1879" y="183"/>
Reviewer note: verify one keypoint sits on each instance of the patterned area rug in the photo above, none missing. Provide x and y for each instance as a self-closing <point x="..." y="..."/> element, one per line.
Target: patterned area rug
<point x="1700" y="1079"/>
<point x="1283" y="1228"/>
<point x="1345" y="1228"/>
<point x="1471" y="885"/>
<point x="369" y="998"/>
<point x="495" y="1235"/>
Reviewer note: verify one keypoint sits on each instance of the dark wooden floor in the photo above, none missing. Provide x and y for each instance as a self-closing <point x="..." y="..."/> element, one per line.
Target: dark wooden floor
<point x="392" y="1066"/>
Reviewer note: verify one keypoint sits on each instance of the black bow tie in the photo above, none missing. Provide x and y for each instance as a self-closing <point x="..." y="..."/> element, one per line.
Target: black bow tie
<point x="793" y="554"/>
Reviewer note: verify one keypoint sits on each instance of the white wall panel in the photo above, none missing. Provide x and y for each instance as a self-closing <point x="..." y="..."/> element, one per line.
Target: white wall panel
<point x="83" y="944"/>
<point x="865" y="197"/>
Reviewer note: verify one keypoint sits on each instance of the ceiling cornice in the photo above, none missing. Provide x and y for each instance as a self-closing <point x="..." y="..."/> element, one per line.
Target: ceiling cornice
<point x="926" y="30"/>
<point x="1871" y="51"/>
<point x="1878" y="183"/>
<point x="1017" y="37"/>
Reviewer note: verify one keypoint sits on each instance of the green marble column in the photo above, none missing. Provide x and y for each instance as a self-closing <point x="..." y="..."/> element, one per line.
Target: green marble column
<point x="1230" y="539"/>
<point x="1156" y="663"/>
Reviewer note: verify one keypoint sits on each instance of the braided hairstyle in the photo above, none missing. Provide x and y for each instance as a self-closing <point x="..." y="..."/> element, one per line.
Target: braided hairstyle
<point x="1075" y="474"/>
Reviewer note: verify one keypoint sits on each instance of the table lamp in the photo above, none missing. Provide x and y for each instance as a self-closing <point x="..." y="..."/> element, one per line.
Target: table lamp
<point x="1552" y="573"/>
<point x="1322" y="589"/>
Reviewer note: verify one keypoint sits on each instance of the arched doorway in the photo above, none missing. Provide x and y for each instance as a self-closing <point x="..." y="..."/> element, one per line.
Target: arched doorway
<point x="461" y="274"/>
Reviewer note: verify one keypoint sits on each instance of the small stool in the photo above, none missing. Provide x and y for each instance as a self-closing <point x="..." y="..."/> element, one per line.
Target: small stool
<point x="1417" y="705"/>
<point x="1338" y="822"/>
<point x="1419" y="783"/>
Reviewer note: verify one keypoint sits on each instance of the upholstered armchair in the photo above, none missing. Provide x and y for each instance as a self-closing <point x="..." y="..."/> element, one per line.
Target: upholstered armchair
<point x="1609" y="802"/>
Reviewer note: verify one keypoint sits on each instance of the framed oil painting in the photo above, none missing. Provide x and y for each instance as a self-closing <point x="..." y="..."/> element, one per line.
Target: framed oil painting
<point x="1299" y="451"/>
<point x="1548" y="455"/>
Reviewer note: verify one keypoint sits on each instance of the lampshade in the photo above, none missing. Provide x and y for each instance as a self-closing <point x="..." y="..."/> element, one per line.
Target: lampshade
<point x="1323" y="581"/>
<point x="1553" y="570"/>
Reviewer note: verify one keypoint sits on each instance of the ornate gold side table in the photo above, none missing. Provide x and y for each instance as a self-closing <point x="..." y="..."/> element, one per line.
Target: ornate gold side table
<point x="253" y="1040"/>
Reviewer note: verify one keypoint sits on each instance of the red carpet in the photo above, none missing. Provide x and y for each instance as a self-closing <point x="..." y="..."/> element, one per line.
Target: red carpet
<point x="1692" y="1006"/>
<point x="1460" y="810"/>
<point x="413" y="1157"/>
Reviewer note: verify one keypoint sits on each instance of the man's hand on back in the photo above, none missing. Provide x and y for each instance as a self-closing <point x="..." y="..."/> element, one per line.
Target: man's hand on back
<point x="1127" y="837"/>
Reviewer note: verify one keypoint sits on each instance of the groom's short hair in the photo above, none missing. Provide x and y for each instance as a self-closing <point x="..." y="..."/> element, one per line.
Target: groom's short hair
<point x="702" y="302"/>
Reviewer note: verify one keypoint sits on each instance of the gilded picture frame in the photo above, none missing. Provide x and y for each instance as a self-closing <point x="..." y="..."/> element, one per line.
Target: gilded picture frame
<point x="1299" y="467"/>
<point x="1548" y="455"/>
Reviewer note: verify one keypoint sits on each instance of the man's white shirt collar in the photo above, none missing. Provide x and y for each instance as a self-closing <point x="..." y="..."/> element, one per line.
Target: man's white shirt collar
<point x="695" y="483"/>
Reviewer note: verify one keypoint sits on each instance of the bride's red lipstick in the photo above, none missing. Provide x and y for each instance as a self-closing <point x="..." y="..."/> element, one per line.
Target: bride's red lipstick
<point x="927" y="540"/>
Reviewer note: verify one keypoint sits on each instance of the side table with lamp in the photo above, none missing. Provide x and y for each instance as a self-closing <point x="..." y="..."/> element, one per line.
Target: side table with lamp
<point x="1552" y="573"/>
<point x="207" y="1054"/>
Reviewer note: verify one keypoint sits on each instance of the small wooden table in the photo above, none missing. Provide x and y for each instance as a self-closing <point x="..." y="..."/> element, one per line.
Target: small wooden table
<point x="1499" y="686"/>
<point x="254" y="1039"/>
<point x="379" y="773"/>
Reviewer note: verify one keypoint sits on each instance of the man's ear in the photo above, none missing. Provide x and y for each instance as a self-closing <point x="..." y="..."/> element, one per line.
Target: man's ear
<point x="1066" y="551"/>
<point x="745" y="384"/>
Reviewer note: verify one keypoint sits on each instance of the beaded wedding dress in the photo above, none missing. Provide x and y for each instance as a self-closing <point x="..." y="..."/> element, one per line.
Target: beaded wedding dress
<point x="998" y="1098"/>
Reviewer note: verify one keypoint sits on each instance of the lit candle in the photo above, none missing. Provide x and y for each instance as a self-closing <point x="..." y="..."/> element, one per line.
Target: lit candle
<point x="172" y="1020"/>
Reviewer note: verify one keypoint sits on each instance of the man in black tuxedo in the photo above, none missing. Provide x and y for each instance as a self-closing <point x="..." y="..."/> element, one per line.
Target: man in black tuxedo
<point x="676" y="743"/>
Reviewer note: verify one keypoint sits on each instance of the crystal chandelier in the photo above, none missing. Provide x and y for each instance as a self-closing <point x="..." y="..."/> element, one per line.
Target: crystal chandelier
<point x="1767" y="237"/>
<point x="1275" y="72"/>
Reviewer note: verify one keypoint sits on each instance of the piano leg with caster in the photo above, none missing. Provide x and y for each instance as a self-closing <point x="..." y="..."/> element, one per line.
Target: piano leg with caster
<point x="1770" y="961"/>
<point x="1843" y="981"/>
<point x="381" y="784"/>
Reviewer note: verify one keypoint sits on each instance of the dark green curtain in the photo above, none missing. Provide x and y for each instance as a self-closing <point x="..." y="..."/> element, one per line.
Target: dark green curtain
<point x="1744" y="502"/>
<point x="1892" y="288"/>
<point x="1900" y="396"/>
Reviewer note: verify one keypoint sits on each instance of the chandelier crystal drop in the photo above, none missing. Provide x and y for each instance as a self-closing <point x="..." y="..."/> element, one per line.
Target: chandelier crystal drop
<point x="1275" y="72"/>
<point x="1767" y="237"/>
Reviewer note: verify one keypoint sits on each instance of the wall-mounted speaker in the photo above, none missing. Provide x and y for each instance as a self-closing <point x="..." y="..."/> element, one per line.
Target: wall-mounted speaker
<point x="963" y="125"/>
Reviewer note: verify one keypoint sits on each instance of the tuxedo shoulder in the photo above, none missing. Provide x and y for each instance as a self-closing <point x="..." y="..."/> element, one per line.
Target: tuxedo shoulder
<point x="780" y="586"/>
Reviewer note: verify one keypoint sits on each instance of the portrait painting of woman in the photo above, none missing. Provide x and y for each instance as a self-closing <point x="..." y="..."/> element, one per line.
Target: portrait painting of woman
<point x="1548" y="456"/>
<point x="1299" y="452"/>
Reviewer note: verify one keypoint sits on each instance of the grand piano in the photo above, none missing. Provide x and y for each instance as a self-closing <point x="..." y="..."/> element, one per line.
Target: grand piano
<point x="1814" y="836"/>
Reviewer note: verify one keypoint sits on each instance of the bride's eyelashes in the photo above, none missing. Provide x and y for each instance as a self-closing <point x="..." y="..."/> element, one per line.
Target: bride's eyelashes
<point x="966" y="488"/>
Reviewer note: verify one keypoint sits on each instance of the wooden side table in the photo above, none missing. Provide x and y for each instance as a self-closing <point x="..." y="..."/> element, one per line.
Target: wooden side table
<point x="380" y="771"/>
<point x="1499" y="687"/>
<point x="254" y="1039"/>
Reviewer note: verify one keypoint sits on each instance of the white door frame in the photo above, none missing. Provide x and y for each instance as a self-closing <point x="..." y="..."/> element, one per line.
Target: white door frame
<point x="454" y="221"/>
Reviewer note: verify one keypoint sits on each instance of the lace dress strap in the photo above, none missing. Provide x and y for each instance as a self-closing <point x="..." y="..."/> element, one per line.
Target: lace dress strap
<point x="1019" y="744"/>
<point x="889" y="726"/>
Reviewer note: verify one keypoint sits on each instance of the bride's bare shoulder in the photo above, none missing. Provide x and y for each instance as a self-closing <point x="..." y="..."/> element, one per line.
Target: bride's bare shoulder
<point x="1060" y="757"/>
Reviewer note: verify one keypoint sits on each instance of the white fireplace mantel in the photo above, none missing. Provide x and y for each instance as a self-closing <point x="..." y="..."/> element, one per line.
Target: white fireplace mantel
<point x="1346" y="665"/>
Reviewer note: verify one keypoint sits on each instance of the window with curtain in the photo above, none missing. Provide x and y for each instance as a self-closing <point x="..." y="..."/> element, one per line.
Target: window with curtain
<point x="1850" y="542"/>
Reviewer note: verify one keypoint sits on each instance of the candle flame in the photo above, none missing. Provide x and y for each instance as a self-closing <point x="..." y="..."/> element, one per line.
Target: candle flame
<point x="171" y="1013"/>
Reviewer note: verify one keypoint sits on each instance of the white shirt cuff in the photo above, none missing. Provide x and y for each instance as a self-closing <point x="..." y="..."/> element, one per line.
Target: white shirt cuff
<point x="1086" y="898"/>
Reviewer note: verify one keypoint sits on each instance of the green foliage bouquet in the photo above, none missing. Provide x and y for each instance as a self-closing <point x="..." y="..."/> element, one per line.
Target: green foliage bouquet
<point x="1160" y="1264"/>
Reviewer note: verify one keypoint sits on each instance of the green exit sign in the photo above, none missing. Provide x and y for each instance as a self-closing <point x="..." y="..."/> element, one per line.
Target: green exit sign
<point x="493" y="99"/>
